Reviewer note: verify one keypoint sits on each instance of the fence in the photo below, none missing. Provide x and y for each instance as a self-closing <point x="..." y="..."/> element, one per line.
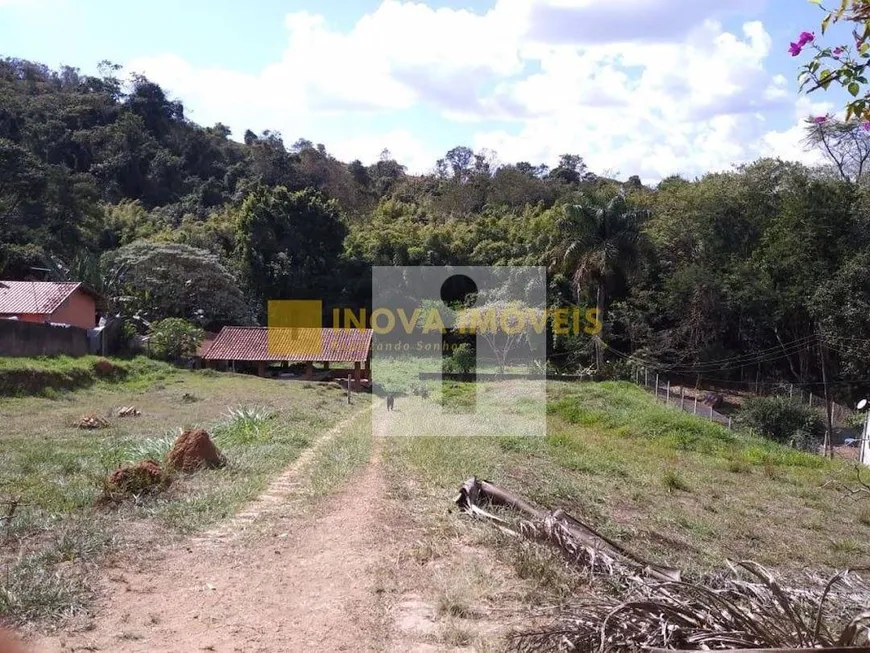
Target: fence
<point x="692" y="402"/>
<point x="840" y="414"/>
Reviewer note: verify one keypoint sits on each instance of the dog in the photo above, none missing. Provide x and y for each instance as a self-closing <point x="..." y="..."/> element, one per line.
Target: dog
<point x="391" y="400"/>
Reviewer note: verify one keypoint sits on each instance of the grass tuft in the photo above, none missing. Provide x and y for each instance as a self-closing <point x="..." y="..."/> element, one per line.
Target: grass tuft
<point x="674" y="482"/>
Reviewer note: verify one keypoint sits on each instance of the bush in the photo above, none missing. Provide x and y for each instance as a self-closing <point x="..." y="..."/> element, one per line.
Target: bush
<point x="464" y="358"/>
<point x="174" y="339"/>
<point x="783" y="420"/>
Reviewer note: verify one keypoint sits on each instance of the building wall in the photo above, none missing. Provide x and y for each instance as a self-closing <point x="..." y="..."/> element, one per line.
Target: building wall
<point x="20" y="338"/>
<point x="80" y="309"/>
<point x="26" y="317"/>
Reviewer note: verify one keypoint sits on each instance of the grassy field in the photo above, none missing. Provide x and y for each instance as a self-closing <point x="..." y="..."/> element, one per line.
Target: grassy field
<point x="57" y="535"/>
<point x="52" y="376"/>
<point x="673" y="487"/>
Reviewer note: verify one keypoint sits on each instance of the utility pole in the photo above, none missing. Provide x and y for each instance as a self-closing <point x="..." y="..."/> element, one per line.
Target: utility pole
<point x="829" y="434"/>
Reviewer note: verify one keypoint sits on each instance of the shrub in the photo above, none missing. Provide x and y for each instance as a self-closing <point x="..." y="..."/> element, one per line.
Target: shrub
<point x="174" y="339"/>
<point x="783" y="420"/>
<point x="463" y="359"/>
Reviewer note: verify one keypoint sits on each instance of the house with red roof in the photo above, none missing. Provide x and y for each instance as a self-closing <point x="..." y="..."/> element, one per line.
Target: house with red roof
<point x="43" y="302"/>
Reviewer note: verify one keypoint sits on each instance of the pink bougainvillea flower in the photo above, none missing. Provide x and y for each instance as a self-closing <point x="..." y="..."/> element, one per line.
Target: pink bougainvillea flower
<point x="803" y="38"/>
<point x="820" y="120"/>
<point x="838" y="51"/>
<point x="866" y="126"/>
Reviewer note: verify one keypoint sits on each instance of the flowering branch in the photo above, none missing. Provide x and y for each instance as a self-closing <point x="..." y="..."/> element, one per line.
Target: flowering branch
<point x="842" y="64"/>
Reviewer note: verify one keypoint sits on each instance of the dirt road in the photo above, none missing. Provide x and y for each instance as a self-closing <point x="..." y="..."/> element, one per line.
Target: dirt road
<point x="299" y="584"/>
<point x="277" y="578"/>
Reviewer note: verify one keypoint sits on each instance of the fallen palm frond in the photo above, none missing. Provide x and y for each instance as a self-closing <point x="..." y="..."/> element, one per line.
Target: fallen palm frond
<point x="658" y="610"/>
<point x="579" y="541"/>
<point x="675" y="615"/>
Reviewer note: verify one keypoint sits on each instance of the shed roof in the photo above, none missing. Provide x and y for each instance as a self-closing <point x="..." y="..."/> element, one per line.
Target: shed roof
<point x="290" y="344"/>
<point x="36" y="297"/>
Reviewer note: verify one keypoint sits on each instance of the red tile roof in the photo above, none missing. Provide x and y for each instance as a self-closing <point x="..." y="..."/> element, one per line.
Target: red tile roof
<point x="207" y="340"/>
<point x="292" y="345"/>
<point x="35" y="297"/>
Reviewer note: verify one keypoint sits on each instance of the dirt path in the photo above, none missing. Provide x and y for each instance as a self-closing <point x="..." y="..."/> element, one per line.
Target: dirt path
<point x="343" y="576"/>
<point x="308" y="587"/>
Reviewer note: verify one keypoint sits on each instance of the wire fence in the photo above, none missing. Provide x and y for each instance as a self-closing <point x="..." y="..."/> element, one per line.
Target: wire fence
<point x="701" y="402"/>
<point x="840" y="415"/>
<point x="676" y="396"/>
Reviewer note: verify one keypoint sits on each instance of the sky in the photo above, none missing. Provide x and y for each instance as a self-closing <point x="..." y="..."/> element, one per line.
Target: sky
<point x="636" y="87"/>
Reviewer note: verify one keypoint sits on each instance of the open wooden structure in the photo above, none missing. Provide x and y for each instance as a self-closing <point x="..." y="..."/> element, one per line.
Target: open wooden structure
<point x="263" y="346"/>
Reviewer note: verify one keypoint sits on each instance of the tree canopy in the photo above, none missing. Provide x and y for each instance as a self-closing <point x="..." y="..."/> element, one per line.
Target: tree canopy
<point x="742" y="276"/>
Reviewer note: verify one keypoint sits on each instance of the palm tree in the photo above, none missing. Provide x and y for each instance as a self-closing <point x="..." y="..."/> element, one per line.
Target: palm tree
<point x="598" y="239"/>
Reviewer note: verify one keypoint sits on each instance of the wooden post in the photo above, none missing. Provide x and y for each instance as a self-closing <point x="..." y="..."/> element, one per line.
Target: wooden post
<point x="668" y="396"/>
<point x="829" y="431"/>
<point x="695" y="409"/>
<point x="357" y="376"/>
<point x="348" y="387"/>
<point x="646" y="377"/>
<point x="790" y="390"/>
<point x="729" y="422"/>
<point x="682" y="397"/>
<point x="261" y="368"/>
<point x="657" y="387"/>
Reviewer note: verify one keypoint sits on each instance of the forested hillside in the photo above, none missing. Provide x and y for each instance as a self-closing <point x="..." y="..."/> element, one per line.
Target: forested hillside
<point x="752" y="274"/>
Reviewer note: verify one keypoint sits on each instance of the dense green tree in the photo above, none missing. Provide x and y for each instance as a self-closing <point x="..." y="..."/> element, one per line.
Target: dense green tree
<point x="287" y="243"/>
<point x="168" y="280"/>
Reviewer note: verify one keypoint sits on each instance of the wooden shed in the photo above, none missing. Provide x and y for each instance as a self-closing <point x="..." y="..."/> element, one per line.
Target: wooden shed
<point x="263" y="346"/>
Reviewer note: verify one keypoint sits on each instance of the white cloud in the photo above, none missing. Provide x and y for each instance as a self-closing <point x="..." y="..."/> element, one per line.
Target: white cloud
<point x="787" y="144"/>
<point x="629" y="95"/>
<point x="404" y="146"/>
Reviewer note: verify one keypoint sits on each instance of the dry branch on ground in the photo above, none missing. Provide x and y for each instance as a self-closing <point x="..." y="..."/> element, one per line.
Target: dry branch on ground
<point x="91" y="421"/>
<point x="128" y="411"/>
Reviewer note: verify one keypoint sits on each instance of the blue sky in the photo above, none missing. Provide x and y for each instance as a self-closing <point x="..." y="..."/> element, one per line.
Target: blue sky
<point x="648" y="87"/>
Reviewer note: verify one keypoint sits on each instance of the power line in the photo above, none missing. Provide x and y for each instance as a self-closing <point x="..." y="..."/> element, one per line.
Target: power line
<point x="736" y="362"/>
